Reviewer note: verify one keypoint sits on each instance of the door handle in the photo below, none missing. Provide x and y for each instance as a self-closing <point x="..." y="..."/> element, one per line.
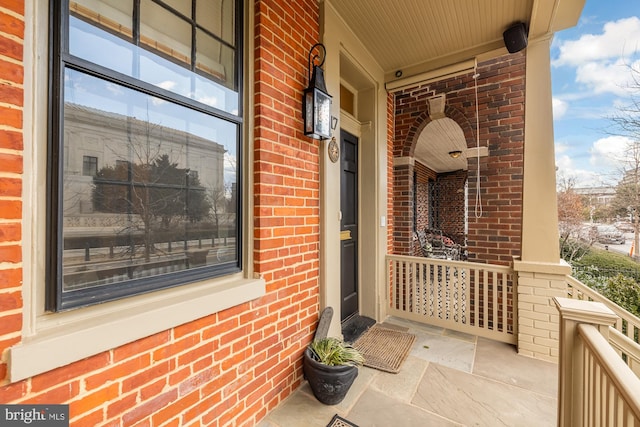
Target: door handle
<point x="345" y="235"/>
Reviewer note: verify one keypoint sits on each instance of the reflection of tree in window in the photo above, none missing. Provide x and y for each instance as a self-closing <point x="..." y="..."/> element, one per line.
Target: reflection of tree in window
<point x="156" y="191"/>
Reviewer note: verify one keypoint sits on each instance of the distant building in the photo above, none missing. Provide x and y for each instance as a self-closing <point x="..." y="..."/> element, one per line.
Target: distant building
<point x="597" y="196"/>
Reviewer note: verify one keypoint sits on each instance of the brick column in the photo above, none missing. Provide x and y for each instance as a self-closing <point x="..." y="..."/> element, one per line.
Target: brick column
<point x="538" y="318"/>
<point x="403" y="205"/>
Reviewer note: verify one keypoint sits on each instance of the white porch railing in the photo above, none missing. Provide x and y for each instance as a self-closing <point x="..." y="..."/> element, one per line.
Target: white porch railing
<point x="626" y="326"/>
<point x="475" y="298"/>
<point x="596" y="388"/>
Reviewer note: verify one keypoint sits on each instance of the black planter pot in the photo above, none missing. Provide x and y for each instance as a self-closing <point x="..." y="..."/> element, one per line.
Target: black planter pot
<point x="329" y="384"/>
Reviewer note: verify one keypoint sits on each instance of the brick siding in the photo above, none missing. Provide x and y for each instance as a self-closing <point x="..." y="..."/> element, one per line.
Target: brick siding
<point x="440" y="197"/>
<point x="234" y="366"/>
<point x="11" y="152"/>
<point x="451" y="204"/>
<point x="390" y="179"/>
<point x="495" y="236"/>
<point x="538" y="318"/>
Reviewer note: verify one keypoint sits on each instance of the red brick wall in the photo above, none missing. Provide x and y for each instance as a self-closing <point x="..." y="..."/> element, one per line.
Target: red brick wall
<point x="495" y="236"/>
<point x="390" y="177"/>
<point x="451" y="204"/>
<point x="11" y="140"/>
<point x="448" y="206"/>
<point x="229" y="368"/>
<point x="403" y="209"/>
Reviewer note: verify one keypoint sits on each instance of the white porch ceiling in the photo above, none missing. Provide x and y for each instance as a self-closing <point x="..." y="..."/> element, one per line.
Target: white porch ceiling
<point x="412" y="33"/>
<point x="422" y="35"/>
<point x="438" y="138"/>
<point x="418" y="36"/>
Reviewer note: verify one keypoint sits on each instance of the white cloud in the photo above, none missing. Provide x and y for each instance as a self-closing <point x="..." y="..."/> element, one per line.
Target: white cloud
<point x="114" y="89"/>
<point x="564" y="162"/>
<point x="582" y="177"/>
<point x="587" y="178"/>
<point x="603" y="166"/>
<point x="609" y="152"/>
<point x="619" y="39"/>
<point x="167" y="84"/>
<point x="606" y="77"/>
<point x="209" y="100"/>
<point x="603" y="61"/>
<point x="561" y="147"/>
<point x="559" y="108"/>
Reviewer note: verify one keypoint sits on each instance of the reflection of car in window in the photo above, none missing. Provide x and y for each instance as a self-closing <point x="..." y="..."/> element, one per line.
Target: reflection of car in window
<point x="608" y="234"/>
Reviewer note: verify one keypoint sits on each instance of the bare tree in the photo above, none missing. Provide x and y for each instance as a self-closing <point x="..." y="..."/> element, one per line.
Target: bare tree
<point x="627" y="119"/>
<point x="570" y="218"/>
<point x="151" y="188"/>
<point x="626" y="122"/>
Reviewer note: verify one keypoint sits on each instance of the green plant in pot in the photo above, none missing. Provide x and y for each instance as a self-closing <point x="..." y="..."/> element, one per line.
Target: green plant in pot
<point x="331" y="366"/>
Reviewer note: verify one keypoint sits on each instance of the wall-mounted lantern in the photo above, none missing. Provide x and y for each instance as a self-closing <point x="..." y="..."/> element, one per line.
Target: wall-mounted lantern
<point x="316" y="103"/>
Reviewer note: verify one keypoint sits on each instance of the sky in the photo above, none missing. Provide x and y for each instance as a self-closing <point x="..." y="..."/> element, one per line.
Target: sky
<point x="591" y="76"/>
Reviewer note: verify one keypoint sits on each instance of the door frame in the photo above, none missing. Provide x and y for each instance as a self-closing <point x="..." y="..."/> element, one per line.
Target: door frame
<point x="348" y="63"/>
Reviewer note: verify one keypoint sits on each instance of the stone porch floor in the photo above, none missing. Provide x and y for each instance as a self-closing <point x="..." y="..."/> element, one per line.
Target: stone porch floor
<point x="449" y="379"/>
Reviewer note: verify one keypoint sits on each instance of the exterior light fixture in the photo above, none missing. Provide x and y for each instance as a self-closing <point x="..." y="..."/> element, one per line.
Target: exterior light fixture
<point x="455" y="154"/>
<point x="316" y="102"/>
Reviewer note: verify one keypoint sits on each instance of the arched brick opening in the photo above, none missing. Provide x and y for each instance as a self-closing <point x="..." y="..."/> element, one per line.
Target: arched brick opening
<point x="494" y="228"/>
<point x="406" y="171"/>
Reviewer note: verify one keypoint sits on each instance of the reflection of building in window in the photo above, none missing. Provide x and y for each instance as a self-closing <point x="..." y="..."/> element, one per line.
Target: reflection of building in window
<point x="89" y="166"/>
<point x="131" y="142"/>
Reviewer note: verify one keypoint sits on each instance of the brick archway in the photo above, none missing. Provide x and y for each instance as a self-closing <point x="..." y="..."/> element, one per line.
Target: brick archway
<point x="495" y="235"/>
<point x="406" y="139"/>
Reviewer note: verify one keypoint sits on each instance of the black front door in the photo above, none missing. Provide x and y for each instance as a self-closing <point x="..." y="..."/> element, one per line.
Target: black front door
<point x="349" y="223"/>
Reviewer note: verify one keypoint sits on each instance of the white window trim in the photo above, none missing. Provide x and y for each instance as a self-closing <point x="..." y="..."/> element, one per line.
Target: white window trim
<point x="52" y="340"/>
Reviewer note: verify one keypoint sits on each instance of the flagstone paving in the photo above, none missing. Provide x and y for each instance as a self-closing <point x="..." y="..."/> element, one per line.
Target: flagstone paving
<point x="448" y="379"/>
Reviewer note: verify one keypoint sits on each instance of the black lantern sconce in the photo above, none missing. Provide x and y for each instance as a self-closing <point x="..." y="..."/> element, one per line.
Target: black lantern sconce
<point x="316" y="103"/>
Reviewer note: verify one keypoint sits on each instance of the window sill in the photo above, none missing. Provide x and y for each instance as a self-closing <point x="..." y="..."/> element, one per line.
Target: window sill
<point x="68" y="337"/>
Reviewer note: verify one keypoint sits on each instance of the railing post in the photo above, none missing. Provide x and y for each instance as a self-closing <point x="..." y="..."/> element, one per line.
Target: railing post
<point x="570" y="366"/>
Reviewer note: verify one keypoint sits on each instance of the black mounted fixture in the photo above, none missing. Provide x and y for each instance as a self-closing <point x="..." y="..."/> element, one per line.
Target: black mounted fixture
<point x="515" y="37"/>
<point x="316" y="102"/>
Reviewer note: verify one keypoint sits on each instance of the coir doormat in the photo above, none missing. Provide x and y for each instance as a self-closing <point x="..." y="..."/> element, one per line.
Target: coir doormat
<point x="385" y="349"/>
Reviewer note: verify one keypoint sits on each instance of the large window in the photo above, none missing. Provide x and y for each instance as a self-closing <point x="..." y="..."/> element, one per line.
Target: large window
<point x="145" y="146"/>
